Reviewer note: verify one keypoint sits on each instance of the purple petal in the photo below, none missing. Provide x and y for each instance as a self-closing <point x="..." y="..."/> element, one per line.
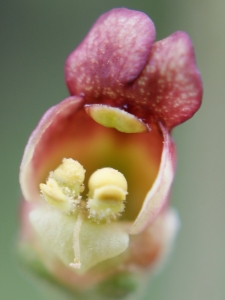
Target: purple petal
<point x="113" y="53"/>
<point x="170" y="88"/>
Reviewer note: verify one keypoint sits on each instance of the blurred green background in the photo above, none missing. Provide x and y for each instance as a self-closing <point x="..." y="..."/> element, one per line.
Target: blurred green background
<point x="36" y="37"/>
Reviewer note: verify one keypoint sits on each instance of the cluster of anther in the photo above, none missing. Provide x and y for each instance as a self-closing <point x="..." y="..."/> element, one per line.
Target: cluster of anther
<point x="107" y="191"/>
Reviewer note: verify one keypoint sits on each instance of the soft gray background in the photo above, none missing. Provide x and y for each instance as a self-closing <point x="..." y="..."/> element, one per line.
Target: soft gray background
<point x="36" y="37"/>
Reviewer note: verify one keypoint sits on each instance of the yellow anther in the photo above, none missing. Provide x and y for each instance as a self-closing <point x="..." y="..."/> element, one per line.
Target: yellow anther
<point x="54" y="195"/>
<point x="104" y="177"/>
<point x="70" y="174"/>
<point x="64" y="185"/>
<point x="107" y="192"/>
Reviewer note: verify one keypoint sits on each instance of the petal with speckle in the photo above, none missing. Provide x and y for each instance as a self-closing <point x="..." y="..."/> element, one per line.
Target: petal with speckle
<point x="170" y="86"/>
<point x="113" y="53"/>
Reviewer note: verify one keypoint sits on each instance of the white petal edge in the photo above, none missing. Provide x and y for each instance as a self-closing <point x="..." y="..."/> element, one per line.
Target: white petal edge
<point x="157" y="197"/>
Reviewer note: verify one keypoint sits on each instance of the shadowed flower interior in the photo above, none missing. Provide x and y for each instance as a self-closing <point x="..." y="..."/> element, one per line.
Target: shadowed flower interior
<point x="73" y="134"/>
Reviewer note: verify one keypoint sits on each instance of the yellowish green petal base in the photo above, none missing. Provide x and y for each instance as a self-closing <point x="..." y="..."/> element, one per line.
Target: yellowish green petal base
<point x="117" y="118"/>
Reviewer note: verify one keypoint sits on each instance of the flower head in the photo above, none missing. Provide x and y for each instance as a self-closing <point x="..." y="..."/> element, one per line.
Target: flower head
<point x="97" y="170"/>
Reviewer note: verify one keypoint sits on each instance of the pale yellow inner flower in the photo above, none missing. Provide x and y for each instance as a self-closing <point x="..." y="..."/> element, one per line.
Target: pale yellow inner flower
<point x="107" y="192"/>
<point x="64" y="185"/>
<point x="106" y="196"/>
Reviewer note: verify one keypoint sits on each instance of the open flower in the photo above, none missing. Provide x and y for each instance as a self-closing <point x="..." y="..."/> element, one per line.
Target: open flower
<point x="97" y="171"/>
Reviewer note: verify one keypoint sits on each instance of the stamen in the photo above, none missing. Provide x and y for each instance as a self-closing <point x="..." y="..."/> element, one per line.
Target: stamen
<point x="64" y="185"/>
<point x="107" y="193"/>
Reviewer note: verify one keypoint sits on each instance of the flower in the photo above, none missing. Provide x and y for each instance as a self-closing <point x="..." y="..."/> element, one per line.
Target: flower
<point x="97" y="171"/>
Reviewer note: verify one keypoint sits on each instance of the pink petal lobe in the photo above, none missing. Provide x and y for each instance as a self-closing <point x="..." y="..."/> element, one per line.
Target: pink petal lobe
<point x="114" y="52"/>
<point x="157" y="197"/>
<point x="170" y="86"/>
<point x="47" y="139"/>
